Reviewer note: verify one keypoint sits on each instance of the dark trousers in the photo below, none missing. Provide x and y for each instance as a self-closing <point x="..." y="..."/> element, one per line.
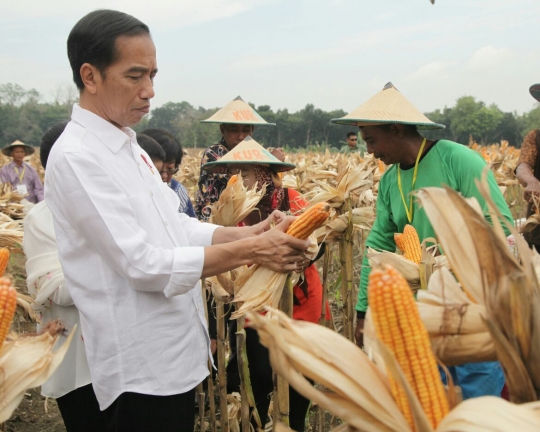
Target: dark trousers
<point x="80" y="410"/>
<point x="260" y="372"/>
<point x="134" y="412"/>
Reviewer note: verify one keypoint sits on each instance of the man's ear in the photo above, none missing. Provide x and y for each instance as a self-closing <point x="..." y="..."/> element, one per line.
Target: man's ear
<point x="398" y="129"/>
<point x="90" y="77"/>
<point x="222" y="128"/>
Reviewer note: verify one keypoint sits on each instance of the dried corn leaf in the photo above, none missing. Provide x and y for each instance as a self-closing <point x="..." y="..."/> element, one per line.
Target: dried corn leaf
<point x="27" y="362"/>
<point x="359" y="391"/>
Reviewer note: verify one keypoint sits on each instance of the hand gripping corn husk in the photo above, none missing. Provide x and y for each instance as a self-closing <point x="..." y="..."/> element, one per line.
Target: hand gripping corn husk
<point x="492" y="276"/>
<point x="26" y="362"/>
<point x="259" y="286"/>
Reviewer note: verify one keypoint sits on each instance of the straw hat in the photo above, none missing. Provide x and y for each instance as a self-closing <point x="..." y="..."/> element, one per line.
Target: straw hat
<point x="28" y="149"/>
<point x="248" y="152"/>
<point x="535" y="91"/>
<point x="237" y="112"/>
<point x="388" y="106"/>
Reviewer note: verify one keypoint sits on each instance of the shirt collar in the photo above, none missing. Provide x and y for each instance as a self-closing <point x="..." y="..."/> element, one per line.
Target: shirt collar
<point x="113" y="137"/>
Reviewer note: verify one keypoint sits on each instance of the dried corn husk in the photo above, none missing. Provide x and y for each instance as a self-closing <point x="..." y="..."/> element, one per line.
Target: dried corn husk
<point x="407" y="268"/>
<point x="234" y="405"/>
<point x="27" y="362"/>
<point x="235" y="203"/>
<point x="508" y="287"/>
<point x="25" y="302"/>
<point x="362" y="218"/>
<point x="491" y="414"/>
<point x="358" y="391"/>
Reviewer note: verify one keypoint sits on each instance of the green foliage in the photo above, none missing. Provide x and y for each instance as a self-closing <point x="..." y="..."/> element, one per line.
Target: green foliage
<point x="25" y="117"/>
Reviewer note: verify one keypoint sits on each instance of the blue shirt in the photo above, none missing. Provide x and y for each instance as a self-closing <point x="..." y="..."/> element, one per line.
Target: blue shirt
<point x="185" y="203"/>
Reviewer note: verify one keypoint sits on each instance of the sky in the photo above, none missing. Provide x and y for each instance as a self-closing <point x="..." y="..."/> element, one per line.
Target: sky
<point x="334" y="54"/>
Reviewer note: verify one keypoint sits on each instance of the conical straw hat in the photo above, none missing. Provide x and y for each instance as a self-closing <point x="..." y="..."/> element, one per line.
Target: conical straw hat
<point x="248" y="152"/>
<point x="388" y="106"/>
<point x="237" y="112"/>
<point x="535" y="91"/>
<point x="7" y="150"/>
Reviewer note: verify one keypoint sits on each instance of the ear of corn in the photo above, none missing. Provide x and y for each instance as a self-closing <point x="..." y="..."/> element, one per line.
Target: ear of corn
<point x="8" y="303"/>
<point x="411" y="244"/>
<point x="398" y="325"/>
<point x="309" y="221"/>
<point x="4" y="260"/>
<point x="232" y="180"/>
<point x="398" y="238"/>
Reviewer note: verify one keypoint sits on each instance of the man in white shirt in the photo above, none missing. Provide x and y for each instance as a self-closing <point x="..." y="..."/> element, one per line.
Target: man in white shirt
<point x="131" y="262"/>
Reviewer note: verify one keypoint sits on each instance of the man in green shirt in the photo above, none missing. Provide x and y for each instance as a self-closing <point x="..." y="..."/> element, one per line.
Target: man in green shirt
<point x="352" y="145"/>
<point x="389" y="125"/>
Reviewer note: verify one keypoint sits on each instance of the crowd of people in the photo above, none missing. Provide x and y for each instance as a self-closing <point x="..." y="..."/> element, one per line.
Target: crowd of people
<point x="115" y="247"/>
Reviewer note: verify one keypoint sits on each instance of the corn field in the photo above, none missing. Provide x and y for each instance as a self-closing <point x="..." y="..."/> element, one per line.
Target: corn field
<point x="372" y="390"/>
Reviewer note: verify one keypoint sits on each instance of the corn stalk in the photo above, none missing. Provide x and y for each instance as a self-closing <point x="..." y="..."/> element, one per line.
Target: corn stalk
<point x="211" y="399"/>
<point x="346" y="257"/>
<point x="282" y="408"/>
<point x="222" y="373"/>
<point x="246" y="391"/>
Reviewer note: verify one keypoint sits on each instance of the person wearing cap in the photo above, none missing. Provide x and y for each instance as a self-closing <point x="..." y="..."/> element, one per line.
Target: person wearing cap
<point x="528" y="172"/>
<point x="390" y="124"/>
<point x="21" y="175"/>
<point x="258" y="167"/>
<point x="236" y="120"/>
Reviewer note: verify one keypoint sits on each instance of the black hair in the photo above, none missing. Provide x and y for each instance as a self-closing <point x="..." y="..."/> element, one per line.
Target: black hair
<point x="48" y="139"/>
<point x="93" y="40"/>
<point x="409" y="129"/>
<point x="151" y="146"/>
<point x="172" y="147"/>
<point x="350" y="134"/>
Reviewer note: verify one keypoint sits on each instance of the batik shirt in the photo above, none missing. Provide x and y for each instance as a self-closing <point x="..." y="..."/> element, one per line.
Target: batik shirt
<point x="210" y="184"/>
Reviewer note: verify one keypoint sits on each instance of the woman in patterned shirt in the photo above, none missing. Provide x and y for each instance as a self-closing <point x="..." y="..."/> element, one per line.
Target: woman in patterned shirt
<point x="528" y="171"/>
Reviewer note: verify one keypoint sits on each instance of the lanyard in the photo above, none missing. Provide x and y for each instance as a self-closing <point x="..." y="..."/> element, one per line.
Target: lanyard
<point x="21" y="175"/>
<point x="409" y="210"/>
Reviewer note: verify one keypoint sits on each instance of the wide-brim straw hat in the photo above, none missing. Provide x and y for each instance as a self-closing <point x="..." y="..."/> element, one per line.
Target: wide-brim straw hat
<point x="28" y="149"/>
<point x="388" y="106"/>
<point x="248" y="152"/>
<point x="535" y="91"/>
<point x="238" y="112"/>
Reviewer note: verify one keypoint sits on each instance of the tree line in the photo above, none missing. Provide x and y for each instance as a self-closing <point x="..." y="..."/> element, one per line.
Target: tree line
<point x="25" y="116"/>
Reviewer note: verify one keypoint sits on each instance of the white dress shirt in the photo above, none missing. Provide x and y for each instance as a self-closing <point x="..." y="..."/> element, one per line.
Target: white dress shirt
<point x="45" y="280"/>
<point x="131" y="262"/>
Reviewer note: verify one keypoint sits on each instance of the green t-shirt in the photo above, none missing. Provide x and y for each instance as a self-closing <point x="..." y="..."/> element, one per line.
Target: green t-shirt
<point x="445" y="163"/>
<point x="360" y="148"/>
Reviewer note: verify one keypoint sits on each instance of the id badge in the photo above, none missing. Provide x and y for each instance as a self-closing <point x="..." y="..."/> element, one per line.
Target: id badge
<point x="22" y="189"/>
